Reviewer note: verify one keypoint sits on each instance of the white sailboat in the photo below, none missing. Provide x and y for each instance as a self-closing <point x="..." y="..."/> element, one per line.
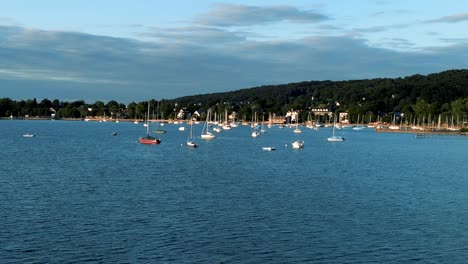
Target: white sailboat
<point x="335" y="138"/>
<point x="206" y="134"/>
<point x="159" y="130"/>
<point x="190" y="142"/>
<point x="255" y="133"/>
<point x="226" y="125"/>
<point x="270" y="120"/>
<point x="262" y="129"/>
<point x="394" y="126"/>
<point x="297" y="130"/>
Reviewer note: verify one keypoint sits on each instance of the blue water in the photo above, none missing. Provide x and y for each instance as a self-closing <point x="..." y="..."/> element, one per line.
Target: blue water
<point x="76" y="194"/>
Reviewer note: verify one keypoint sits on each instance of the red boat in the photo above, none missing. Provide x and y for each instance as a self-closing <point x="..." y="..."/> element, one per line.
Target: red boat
<point x="149" y="140"/>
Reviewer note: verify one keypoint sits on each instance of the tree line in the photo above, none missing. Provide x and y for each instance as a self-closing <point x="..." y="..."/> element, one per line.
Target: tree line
<point x="416" y="96"/>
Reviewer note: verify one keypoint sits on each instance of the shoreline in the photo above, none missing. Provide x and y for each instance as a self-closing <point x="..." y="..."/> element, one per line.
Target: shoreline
<point x="425" y="131"/>
<point x="384" y="129"/>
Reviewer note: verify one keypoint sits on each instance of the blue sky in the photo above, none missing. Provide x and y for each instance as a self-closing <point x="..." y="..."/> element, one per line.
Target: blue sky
<point x="137" y="50"/>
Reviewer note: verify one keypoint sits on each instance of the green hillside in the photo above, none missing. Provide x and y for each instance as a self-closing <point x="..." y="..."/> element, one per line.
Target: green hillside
<point x="416" y="96"/>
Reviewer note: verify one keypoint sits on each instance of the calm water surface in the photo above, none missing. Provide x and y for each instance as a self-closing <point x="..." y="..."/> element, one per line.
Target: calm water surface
<point x="76" y="194"/>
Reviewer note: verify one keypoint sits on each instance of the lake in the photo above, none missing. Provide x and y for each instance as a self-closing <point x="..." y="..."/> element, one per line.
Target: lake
<point x="74" y="193"/>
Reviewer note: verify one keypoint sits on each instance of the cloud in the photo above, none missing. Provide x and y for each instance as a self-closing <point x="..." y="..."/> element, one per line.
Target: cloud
<point x="454" y="40"/>
<point x="227" y="15"/>
<point x="8" y="21"/>
<point x="44" y="75"/>
<point x="375" y="29"/>
<point x="195" y="34"/>
<point x="450" y="19"/>
<point x="397" y="43"/>
<point x="46" y="64"/>
<point x="377" y="14"/>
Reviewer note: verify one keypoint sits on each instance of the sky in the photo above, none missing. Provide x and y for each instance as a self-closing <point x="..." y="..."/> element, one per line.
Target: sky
<point x="151" y="49"/>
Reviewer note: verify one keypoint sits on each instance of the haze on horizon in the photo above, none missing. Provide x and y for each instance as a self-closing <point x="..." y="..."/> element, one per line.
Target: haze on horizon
<point x="132" y="51"/>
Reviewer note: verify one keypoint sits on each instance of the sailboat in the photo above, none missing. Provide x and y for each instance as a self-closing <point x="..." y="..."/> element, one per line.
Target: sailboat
<point x="226" y="125"/>
<point x="190" y="142"/>
<point x="216" y="127"/>
<point x="255" y="133"/>
<point x="270" y="120"/>
<point x="297" y="130"/>
<point x="159" y="130"/>
<point x="148" y="140"/>
<point x="358" y="126"/>
<point x="335" y="138"/>
<point x="206" y="134"/>
<point x="263" y="130"/>
<point x="394" y="126"/>
<point x="309" y="121"/>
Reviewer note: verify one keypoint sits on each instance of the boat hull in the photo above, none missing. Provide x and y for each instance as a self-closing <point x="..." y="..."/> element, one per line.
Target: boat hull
<point x="269" y="148"/>
<point x="149" y="140"/>
<point x="192" y="144"/>
<point x="335" y="139"/>
<point x="207" y="136"/>
<point x="297" y="144"/>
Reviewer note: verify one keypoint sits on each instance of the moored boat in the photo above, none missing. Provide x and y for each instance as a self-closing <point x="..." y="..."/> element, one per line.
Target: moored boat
<point x="206" y="134"/>
<point x="269" y="148"/>
<point x="298" y="144"/>
<point x="255" y="133"/>
<point x="335" y="139"/>
<point x="148" y="139"/>
<point x="192" y="144"/>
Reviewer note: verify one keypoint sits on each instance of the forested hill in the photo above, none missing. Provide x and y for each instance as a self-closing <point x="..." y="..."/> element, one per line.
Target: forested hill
<point x="431" y="94"/>
<point x="443" y="93"/>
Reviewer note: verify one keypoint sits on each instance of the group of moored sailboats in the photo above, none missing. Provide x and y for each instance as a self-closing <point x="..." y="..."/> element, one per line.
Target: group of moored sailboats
<point x="206" y="134"/>
<point x="151" y="140"/>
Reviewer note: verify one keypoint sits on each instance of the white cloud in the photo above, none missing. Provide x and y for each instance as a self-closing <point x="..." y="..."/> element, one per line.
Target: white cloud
<point x="227" y="15"/>
<point x="450" y="19"/>
<point x="46" y="75"/>
<point x="194" y="35"/>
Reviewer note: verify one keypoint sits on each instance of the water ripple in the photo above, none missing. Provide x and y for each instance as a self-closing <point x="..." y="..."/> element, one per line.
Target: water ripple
<point x="89" y="197"/>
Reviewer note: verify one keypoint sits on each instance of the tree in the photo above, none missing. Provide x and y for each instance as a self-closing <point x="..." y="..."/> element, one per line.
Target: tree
<point x="460" y="107"/>
<point x="421" y="108"/>
<point x="6" y="105"/>
<point x="114" y="108"/>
